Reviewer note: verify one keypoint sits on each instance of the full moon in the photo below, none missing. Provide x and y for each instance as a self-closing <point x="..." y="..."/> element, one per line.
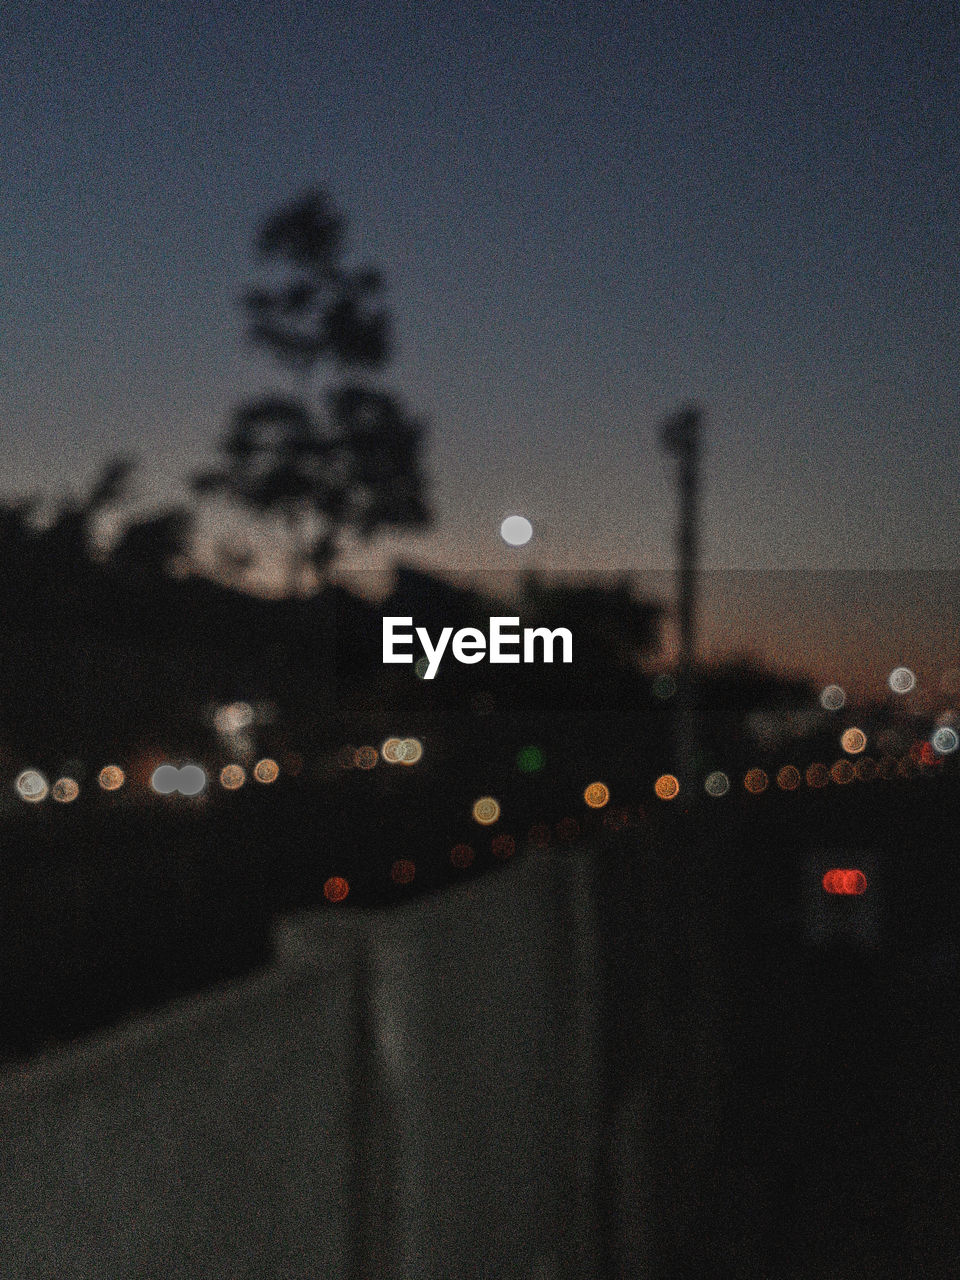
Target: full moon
<point x="516" y="531"/>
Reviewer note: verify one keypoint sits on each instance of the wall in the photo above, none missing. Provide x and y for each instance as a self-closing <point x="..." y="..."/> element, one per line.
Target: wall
<point x="413" y="1093"/>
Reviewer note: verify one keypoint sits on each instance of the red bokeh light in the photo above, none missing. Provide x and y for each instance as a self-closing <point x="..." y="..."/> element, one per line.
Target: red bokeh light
<point x="336" y="889"/>
<point x="845" y="881"/>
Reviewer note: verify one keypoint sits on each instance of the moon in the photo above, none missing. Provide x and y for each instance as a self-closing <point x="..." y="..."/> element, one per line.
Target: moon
<point x="516" y="531"/>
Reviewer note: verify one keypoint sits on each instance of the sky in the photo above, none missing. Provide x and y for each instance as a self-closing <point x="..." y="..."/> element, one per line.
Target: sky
<point x="586" y="214"/>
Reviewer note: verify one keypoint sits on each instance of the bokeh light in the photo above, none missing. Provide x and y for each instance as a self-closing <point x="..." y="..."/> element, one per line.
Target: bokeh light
<point x="65" y="790"/>
<point x="409" y="751"/>
<point x="816" y="775"/>
<point x="788" y="778"/>
<point x="233" y="718"/>
<point x="366" y="757"/>
<point x="844" y="880"/>
<point x="853" y="741"/>
<point x="389" y="748"/>
<point x="716" y="784"/>
<point x="420" y="667"/>
<point x="597" y="794"/>
<point x="945" y="740"/>
<point x="266" y="770"/>
<point x="32" y="786"/>
<point x="567" y="830"/>
<point x="902" y="680"/>
<point x="667" y="786"/>
<point x="486" y="811"/>
<point x="664" y="686"/>
<point x="530" y="760"/>
<point x="516" y="531"/>
<point x="165" y="779"/>
<point x="841" y="771"/>
<point x="503" y="847"/>
<point x="462" y="855"/>
<point x="403" y="871"/>
<point x="191" y="780"/>
<point x="617" y="818"/>
<point x="111" y="777"/>
<point x="756" y="781"/>
<point x="335" y="889"/>
<point x="832" y="698"/>
<point x="232" y="777"/>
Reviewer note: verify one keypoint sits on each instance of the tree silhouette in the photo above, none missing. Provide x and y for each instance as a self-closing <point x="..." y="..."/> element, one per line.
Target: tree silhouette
<point x="353" y="468"/>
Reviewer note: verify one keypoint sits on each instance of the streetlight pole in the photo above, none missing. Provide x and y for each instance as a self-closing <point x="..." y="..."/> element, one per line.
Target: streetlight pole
<point x="680" y="436"/>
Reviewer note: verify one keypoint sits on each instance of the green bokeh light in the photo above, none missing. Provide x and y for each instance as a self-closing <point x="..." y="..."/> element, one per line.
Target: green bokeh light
<point x="530" y="760"/>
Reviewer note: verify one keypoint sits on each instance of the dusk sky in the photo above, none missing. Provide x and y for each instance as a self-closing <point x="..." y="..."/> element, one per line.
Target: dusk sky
<point x="586" y="214"/>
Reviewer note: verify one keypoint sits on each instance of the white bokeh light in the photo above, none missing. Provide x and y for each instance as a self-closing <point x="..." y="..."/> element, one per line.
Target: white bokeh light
<point x="165" y="780"/>
<point x="191" y="780"/>
<point x="832" y="698"/>
<point x="516" y="531"/>
<point x="902" y="680"/>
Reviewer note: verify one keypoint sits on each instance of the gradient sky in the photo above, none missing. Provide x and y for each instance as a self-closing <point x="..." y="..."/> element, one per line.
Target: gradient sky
<point x="586" y="214"/>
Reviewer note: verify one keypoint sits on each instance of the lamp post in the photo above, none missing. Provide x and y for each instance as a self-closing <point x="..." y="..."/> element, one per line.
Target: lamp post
<point x="680" y="436"/>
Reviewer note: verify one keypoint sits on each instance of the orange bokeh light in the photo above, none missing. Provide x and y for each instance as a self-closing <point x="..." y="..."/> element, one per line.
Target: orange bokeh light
<point x="667" y="786"/>
<point x="402" y="871"/>
<point x="461" y="855"/>
<point x="111" y="777"/>
<point x="853" y="741"/>
<point x="841" y="771"/>
<point x="788" y="779"/>
<point x="503" y="847"/>
<point x="266" y="771"/>
<point x="232" y="777"/>
<point x="486" y="811"/>
<point x="756" y="781"/>
<point x="597" y="795"/>
<point x="817" y="774"/>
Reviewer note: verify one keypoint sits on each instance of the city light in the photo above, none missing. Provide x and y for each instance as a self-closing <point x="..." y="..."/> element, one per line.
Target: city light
<point x="165" y="779"/>
<point x="266" y="771"/>
<point x="945" y="740"/>
<point x="335" y="889"/>
<point x="503" y="847"/>
<point x="403" y="871"/>
<point x="596" y="795"/>
<point x="486" y="811"/>
<point x="788" y="778"/>
<point x="841" y="771"/>
<point x="530" y="760"/>
<point x="32" y="786"/>
<point x="461" y="855"/>
<point x="232" y="777"/>
<point x="111" y="777"/>
<point x="902" y="680"/>
<point x="192" y="780"/>
<point x="832" y="698"/>
<point x="667" y="786"/>
<point x="65" y="790"/>
<point x="756" y="781"/>
<point x="853" y="741"/>
<point x="716" y="784"/>
<point x="840" y="880"/>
